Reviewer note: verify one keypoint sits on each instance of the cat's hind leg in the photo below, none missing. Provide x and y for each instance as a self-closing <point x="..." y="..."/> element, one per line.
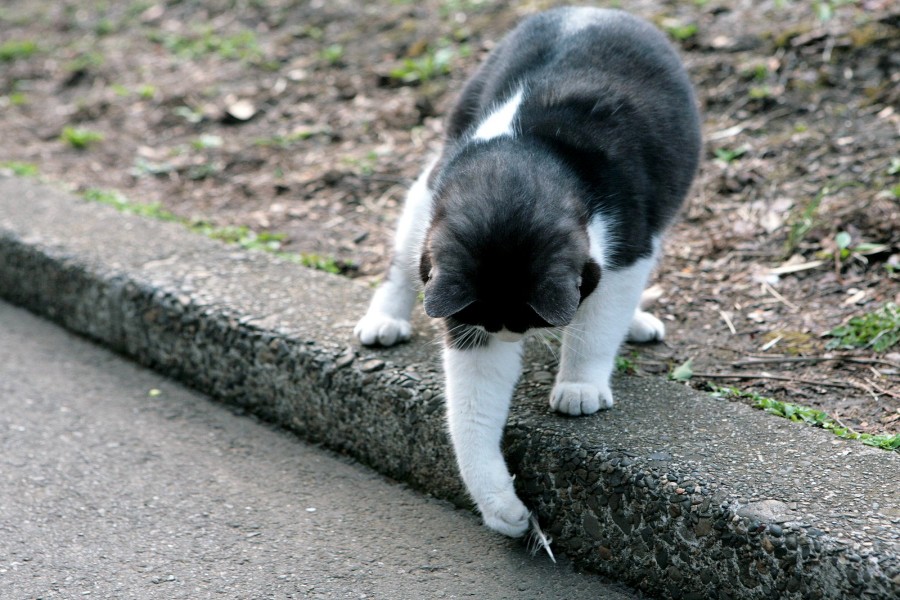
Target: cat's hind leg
<point x="387" y="320"/>
<point x="591" y="341"/>
<point x="480" y="384"/>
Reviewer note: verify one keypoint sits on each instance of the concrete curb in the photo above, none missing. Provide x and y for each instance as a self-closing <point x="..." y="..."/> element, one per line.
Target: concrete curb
<point x="674" y="492"/>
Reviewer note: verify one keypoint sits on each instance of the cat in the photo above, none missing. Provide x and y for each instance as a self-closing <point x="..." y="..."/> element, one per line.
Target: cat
<point x="567" y="155"/>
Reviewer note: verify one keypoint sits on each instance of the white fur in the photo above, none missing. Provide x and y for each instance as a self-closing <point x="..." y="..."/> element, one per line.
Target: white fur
<point x="480" y="384"/>
<point x="387" y="320"/>
<point x="592" y="339"/>
<point x="501" y="121"/>
<point x="581" y="17"/>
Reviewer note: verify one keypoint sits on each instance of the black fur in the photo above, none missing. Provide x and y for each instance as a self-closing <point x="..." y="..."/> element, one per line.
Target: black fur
<point x="608" y="125"/>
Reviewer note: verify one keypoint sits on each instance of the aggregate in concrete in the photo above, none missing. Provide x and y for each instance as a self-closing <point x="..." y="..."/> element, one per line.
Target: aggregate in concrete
<point x="675" y="492"/>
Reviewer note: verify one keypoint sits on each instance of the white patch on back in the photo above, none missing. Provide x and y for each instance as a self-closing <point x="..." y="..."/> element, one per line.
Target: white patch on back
<point x="500" y="121"/>
<point x="581" y="17"/>
<point x="602" y="233"/>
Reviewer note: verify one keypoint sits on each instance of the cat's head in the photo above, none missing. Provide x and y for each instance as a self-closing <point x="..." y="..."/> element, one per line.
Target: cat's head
<point x="507" y="249"/>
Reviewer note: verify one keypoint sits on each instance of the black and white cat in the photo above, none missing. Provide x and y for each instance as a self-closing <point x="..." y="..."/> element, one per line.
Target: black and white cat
<point x="567" y="155"/>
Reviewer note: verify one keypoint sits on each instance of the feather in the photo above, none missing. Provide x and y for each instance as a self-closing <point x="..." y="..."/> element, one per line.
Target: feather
<point x="537" y="539"/>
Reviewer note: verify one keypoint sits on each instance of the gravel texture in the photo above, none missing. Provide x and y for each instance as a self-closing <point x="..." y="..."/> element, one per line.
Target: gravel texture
<point x="674" y="492"/>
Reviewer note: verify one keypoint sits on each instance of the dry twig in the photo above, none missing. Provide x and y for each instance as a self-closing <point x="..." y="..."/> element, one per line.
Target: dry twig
<point x="773" y="377"/>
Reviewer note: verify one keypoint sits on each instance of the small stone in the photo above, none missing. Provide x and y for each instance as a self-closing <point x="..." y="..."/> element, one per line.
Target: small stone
<point x="344" y="360"/>
<point x="241" y="110"/>
<point x="543" y="376"/>
<point x="371" y="365"/>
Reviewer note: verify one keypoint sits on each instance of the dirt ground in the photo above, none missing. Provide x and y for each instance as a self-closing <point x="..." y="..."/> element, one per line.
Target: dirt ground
<point x="309" y="118"/>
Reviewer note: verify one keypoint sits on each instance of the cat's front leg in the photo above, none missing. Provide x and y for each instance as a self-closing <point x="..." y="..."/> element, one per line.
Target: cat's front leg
<point x="591" y="341"/>
<point x="480" y="381"/>
<point x="386" y="322"/>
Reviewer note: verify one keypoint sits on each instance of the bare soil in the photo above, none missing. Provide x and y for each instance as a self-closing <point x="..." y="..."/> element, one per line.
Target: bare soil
<point x="310" y="118"/>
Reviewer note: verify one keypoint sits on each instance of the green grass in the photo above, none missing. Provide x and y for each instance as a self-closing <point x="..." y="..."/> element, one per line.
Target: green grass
<point x="206" y="141"/>
<point x="15" y="49"/>
<point x="426" y="67"/>
<point x="810" y="416"/>
<point x="682" y="32"/>
<point x="240" y="235"/>
<point x="804" y="221"/>
<point x="204" y="41"/>
<point x="728" y="155"/>
<point x="122" y="204"/>
<point x="20" y="169"/>
<point x="80" y="138"/>
<point x="84" y="62"/>
<point x="332" y="54"/>
<point x="879" y="330"/>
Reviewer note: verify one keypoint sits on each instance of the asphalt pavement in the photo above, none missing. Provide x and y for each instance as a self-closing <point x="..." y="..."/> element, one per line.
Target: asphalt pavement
<point x="116" y="482"/>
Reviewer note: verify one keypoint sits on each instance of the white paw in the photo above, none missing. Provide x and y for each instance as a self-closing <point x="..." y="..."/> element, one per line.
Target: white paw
<point x="580" y="398"/>
<point x="645" y="328"/>
<point x="504" y="513"/>
<point x="381" y="329"/>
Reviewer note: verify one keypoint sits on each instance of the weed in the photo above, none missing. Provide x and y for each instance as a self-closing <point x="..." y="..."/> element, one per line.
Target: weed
<point x="189" y="114"/>
<point x="315" y="261"/>
<point x="84" y="62"/>
<point x="844" y="249"/>
<point x="80" y="138"/>
<point x="142" y="167"/>
<point x="122" y="204"/>
<point x="825" y="9"/>
<point x="804" y="222"/>
<point x="104" y="27"/>
<point x="425" y="67"/>
<point x="147" y="91"/>
<point x="760" y="92"/>
<point x="681" y="31"/>
<point x="810" y="416"/>
<point x="20" y="169"/>
<point x="727" y="155"/>
<point x="204" y="42"/>
<point x="627" y="365"/>
<point x="231" y="234"/>
<point x="241" y="235"/>
<point x="207" y="141"/>
<point x="332" y="54"/>
<point x="365" y="166"/>
<point x="16" y="49"/>
<point x="879" y="330"/>
<point x="201" y="171"/>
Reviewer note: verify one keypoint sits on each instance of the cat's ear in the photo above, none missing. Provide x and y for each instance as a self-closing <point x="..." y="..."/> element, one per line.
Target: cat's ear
<point x="445" y="296"/>
<point x="559" y="298"/>
<point x="556" y="301"/>
<point x="590" y="277"/>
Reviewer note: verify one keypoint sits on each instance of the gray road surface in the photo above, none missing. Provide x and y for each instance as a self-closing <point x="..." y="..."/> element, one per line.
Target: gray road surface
<point x="118" y="483"/>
